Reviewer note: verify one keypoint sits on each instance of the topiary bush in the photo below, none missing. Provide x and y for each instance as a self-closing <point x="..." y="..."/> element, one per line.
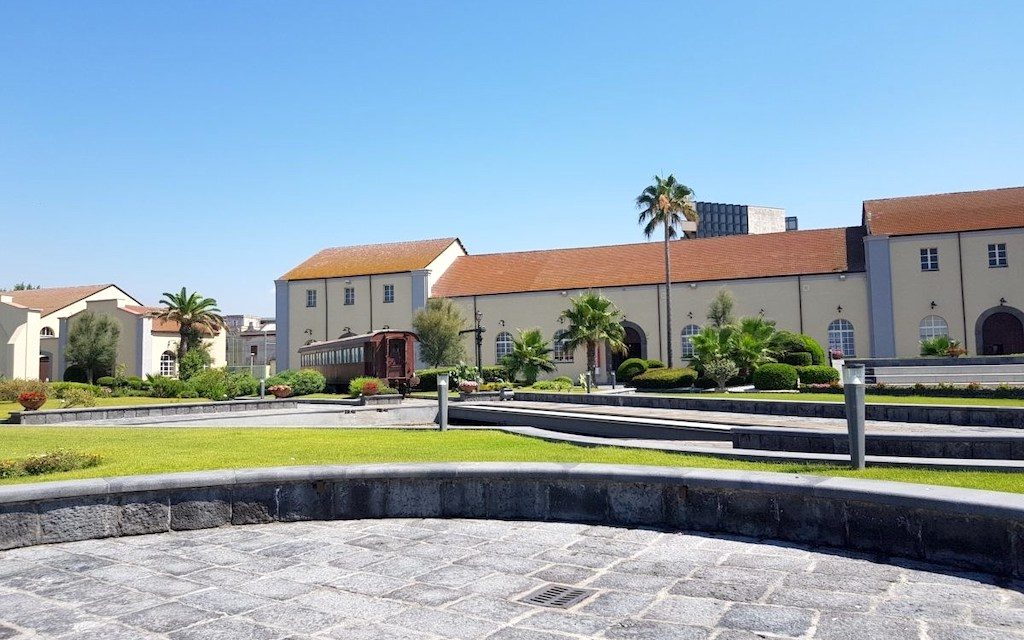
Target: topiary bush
<point x="817" y="374"/>
<point x="786" y="342"/>
<point x="799" y="359"/>
<point x="676" y="378"/>
<point x="164" y="387"/>
<point x="631" y="368"/>
<point x="552" y="385"/>
<point x="302" y="382"/>
<point x="428" y="377"/>
<point x="655" y="364"/>
<point x="493" y="373"/>
<point x="563" y="379"/>
<point x="106" y="381"/>
<point x="775" y="376"/>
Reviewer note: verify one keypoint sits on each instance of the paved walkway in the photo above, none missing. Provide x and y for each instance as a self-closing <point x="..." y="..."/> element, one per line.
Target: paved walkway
<point x="431" y="579"/>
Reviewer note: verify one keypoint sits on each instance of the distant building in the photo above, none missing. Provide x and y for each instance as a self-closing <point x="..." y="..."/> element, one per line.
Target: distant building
<point x="718" y="219"/>
<point x="251" y="342"/>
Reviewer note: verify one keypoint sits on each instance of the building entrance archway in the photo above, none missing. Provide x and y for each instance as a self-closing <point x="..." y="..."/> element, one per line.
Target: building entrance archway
<point x="1000" y="331"/>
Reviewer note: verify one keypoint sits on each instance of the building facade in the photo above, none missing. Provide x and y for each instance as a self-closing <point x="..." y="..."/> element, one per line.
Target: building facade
<point x="916" y="267"/>
<point x="251" y="342"/>
<point x="719" y="219"/>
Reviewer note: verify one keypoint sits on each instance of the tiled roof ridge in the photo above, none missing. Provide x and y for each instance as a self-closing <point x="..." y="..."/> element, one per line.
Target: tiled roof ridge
<point x="942" y="193"/>
<point x="386" y="244"/>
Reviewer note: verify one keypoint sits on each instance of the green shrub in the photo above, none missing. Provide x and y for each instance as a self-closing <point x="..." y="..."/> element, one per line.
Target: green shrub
<point x="355" y="386"/>
<point x="194" y="361"/>
<point x="552" y="385"/>
<point x="137" y="383"/>
<point x="11" y="389"/>
<point x="630" y="368"/>
<point x="563" y="379"/>
<point x="721" y="371"/>
<point x="428" y="377"/>
<point x="188" y="393"/>
<point x="816" y="350"/>
<point x="799" y="359"/>
<point x="817" y="374"/>
<point x="164" y="387"/>
<point x="106" y="381"/>
<point x="242" y="383"/>
<point x="494" y="373"/>
<point x="58" y="389"/>
<point x="79" y="398"/>
<point x="50" y="462"/>
<point x="786" y="342"/>
<point x="675" y="378"/>
<point x="495" y="386"/>
<point x="302" y="382"/>
<point x="775" y="376"/>
<point x="654" y="364"/>
<point x="211" y="383"/>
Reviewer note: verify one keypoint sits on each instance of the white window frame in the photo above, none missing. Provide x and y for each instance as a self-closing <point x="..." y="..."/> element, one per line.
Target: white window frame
<point x="504" y="344"/>
<point x="168" y="364"/>
<point x="688" y="332"/>
<point x="47" y="332"/>
<point x="842" y="336"/>
<point x="932" y="327"/>
<point x="930" y="259"/>
<point x="559" y="352"/>
<point x="350" y="295"/>
<point x="997" y="255"/>
<point x="389" y="293"/>
<point x="310" y="298"/>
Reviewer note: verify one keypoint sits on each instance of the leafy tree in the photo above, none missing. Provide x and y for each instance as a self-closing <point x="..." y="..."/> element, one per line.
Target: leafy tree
<point x="721" y="370"/>
<point x="195" y="360"/>
<point x="720" y="311"/>
<point x="92" y="344"/>
<point x="438" y="325"/>
<point x="666" y="204"/>
<point x="531" y="354"/>
<point x="195" y="315"/>
<point x="593" y="319"/>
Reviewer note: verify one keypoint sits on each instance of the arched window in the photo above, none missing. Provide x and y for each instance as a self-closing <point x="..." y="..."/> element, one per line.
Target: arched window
<point x="560" y="351"/>
<point x="168" y="364"/>
<point x="689" y="331"/>
<point x="46" y="332"/>
<point x="503" y="345"/>
<point x="840" y="336"/>
<point x="932" y="327"/>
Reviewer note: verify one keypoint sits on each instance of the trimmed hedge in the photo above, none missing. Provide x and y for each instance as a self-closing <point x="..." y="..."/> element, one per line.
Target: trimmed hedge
<point x="551" y="385"/>
<point x="428" y="377"/>
<point x="665" y="379"/>
<point x="494" y="373"/>
<point x="775" y="376"/>
<point x="631" y="368"/>
<point x="817" y="374"/>
<point x="799" y="359"/>
<point x="655" y="364"/>
<point x="303" y="382"/>
<point x="931" y="391"/>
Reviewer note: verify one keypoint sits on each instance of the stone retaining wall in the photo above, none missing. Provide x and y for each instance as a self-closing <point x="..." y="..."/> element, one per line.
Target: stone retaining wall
<point x="972" y="529"/>
<point x="982" y="446"/>
<point x="56" y="416"/>
<point x="1009" y="417"/>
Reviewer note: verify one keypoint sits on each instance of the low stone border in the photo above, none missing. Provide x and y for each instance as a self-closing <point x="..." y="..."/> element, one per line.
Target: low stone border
<point x="978" y="446"/>
<point x="56" y="416"/>
<point x="972" y="416"/>
<point x="973" y="529"/>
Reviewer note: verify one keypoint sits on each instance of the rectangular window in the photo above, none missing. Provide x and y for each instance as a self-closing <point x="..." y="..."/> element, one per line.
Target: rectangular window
<point x="389" y="293"/>
<point x="930" y="259"/>
<point x="350" y="295"/>
<point x="997" y="255"/>
<point x="310" y="297"/>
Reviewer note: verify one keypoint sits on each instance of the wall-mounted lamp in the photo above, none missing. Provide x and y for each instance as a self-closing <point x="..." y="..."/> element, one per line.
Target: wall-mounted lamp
<point x="839" y="309"/>
<point x="346" y="329"/>
<point x="501" y="323"/>
<point x="842" y="276"/>
<point x="933" y="305"/>
<point x="564" y="293"/>
<point x="348" y="282"/>
<point x="1002" y="302"/>
<point x="689" y="314"/>
<point x="561" y="319"/>
<point x="308" y="332"/>
<point x="761" y="312"/>
<point x="386" y="327"/>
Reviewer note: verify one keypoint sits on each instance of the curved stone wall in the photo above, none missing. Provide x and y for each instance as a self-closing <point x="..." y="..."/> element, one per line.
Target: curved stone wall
<point x="973" y="529"/>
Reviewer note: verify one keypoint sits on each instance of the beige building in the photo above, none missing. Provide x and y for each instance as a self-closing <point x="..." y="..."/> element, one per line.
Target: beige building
<point x="34" y="326"/>
<point x="914" y="268"/>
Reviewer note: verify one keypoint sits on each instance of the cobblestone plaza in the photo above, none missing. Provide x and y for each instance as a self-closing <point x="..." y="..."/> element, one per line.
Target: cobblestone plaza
<point x="429" y="579"/>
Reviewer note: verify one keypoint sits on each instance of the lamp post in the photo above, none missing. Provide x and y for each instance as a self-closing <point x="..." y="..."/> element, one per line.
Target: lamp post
<point x="479" y="331"/>
<point x="442" y="401"/>
<point x="853" y="391"/>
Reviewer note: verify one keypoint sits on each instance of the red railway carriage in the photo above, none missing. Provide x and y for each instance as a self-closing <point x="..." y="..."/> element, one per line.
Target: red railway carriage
<point x="388" y="355"/>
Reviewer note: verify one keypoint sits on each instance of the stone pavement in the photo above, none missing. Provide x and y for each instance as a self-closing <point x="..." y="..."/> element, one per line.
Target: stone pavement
<point x="430" y="579"/>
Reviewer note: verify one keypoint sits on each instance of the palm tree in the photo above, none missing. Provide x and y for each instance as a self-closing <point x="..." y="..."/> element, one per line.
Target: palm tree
<point x="667" y="204"/>
<point x="531" y="354"/>
<point x="194" y="315"/>
<point x="593" y="319"/>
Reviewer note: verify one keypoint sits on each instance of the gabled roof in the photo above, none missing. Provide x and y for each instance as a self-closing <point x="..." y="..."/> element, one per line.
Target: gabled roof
<point x="370" y="259"/>
<point x="159" y="324"/>
<point x="723" y="258"/>
<point x="946" y="212"/>
<point x="56" y="298"/>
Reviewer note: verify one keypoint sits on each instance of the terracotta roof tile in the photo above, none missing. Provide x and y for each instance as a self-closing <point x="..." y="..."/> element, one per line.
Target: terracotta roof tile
<point x="722" y="258"/>
<point x="370" y="259"/>
<point x="946" y="212"/>
<point x="159" y="325"/>
<point x="54" y="299"/>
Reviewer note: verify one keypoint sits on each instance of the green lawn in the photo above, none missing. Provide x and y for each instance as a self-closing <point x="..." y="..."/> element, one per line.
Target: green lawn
<point x="872" y="399"/>
<point x="127" y="451"/>
<point x="53" y="403"/>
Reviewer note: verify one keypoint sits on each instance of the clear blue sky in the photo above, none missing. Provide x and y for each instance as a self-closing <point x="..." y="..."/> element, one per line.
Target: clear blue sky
<point x="217" y="144"/>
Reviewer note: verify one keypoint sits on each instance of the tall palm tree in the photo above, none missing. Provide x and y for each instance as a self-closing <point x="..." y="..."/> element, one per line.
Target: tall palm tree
<point x="531" y="354"/>
<point x="667" y="204"/>
<point x="593" y="319"/>
<point x="194" y="314"/>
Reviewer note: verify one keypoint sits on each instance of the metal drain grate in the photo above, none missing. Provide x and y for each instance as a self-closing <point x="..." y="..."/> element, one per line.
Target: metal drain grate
<point x="557" y="596"/>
